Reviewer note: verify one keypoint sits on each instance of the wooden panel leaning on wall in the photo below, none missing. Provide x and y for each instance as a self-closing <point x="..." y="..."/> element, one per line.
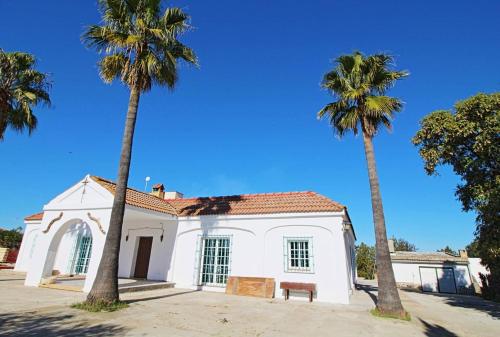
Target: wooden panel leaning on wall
<point x="250" y="286"/>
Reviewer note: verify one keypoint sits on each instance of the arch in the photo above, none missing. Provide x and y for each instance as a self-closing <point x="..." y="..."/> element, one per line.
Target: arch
<point x="205" y="228"/>
<point x="63" y="246"/>
<point x="297" y="225"/>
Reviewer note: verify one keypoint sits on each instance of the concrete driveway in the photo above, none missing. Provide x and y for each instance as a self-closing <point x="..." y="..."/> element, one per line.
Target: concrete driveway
<point x="177" y="312"/>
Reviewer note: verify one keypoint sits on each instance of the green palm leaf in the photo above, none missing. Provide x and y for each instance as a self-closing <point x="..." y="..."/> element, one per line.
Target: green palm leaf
<point x="140" y="42"/>
<point x="359" y="83"/>
<point x="21" y="89"/>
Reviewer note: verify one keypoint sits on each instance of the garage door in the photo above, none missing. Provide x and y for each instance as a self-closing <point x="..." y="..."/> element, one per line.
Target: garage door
<point x="446" y="280"/>
<point x="429" y="279"/>
<point x="436" y="279"/>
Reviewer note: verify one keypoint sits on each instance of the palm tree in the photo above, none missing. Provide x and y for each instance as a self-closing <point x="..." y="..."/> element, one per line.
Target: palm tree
<point x="141" y="49"/>
<point x="21" y="89"/>
<point x="359" y="84"/>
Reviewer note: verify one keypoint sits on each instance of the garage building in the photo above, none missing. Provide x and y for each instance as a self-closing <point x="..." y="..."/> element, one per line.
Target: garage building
<point x="436" y="272"/>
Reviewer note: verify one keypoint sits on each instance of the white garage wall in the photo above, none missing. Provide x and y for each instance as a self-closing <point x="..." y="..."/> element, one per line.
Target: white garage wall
<point x="409" y="273"/>
<point x="476" y="267"/>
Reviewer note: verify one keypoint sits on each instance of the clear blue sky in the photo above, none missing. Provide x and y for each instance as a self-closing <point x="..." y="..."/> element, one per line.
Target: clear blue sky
<point x="245" y="122"/>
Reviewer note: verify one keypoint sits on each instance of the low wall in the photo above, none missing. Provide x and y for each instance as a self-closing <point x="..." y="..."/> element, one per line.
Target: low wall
<point x="3" y="253"/>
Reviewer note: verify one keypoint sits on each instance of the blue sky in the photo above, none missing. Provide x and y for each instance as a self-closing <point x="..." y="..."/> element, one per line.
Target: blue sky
<point x="244" y="122"/>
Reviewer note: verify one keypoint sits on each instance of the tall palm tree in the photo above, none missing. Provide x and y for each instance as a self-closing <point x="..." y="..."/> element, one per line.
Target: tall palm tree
<point x="359" y="84"/>
<point x="21" y="89"/>
<point x="141" y="47"/>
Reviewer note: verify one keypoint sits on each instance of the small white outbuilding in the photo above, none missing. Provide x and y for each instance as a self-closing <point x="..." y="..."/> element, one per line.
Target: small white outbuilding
<point x="195" y="243"/>
<point x="436" y="272"/>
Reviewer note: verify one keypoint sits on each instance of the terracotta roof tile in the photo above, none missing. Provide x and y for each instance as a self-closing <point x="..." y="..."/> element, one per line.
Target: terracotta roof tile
<point x="244" y="204"/>
<point x="34" y="217"/>
<point x="137" y="198"/>
<point x="288" y="202"/>
<point x="428" y="257"/>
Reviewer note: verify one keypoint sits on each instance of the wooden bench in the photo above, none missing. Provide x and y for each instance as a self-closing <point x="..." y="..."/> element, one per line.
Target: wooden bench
<point x="287" y="286"/>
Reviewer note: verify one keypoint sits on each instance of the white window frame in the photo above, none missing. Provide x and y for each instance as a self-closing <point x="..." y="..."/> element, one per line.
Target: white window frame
<point x="218" y="267"/>
<point x="81" y="253"/>
<point x="300" y="253"/>
<point x="82" y="258"/>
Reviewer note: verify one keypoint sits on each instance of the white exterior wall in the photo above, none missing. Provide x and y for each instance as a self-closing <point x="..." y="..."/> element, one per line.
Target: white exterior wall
<point x="47" y="245"/>
<point x="51" y="247"/>
<point x="476" y="267"/>
<point x="257" y="249"/>
<point x="161" y="251"/>
<point x="257" y="243"/>
<point x="30" y="236"/>
<point x="409" y="273"/>
<point x="350" y="248"/>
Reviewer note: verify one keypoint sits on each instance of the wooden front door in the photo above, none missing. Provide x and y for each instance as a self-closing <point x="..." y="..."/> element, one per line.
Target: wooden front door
<point x="143" y="255"/>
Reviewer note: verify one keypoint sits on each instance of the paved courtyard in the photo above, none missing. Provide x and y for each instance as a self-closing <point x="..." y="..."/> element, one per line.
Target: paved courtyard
<point x="176" y="312"/>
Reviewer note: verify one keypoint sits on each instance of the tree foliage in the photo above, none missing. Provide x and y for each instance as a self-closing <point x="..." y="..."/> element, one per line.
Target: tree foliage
<point x="448" y="250"/>
<point x="468" y="139"/>
<point x="360" y="83"/>
<point x="403" y="245"/>
<point x="141" y="43"/>
<point x="365" y="261"/>
<point x="472" y="248"/>
<point x="11" y="238"/>
<point x="21" y="89"/>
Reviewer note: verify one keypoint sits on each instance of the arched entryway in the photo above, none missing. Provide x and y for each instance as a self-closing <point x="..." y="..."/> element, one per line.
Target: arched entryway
<point x="69" y="255"/>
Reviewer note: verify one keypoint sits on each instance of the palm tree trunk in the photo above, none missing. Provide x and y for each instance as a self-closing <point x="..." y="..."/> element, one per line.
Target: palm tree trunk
<point x="105" y="287"/>
<point x="388" y="301"/>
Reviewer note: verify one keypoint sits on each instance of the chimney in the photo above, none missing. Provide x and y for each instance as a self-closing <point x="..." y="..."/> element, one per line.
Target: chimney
<point x="173" y="195"/>
<point x="391" y="245"/>
<point x="463" y="253"/>
<point x="158" y="191"/>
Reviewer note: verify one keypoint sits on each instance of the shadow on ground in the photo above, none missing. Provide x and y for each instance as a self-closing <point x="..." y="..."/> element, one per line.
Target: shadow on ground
<point x="475" y="303"/>
<point x="31" y="324"/>
<point x="370" y="290"/>
<point x="434" y="330"/>
<point x="142" y="299"/>
<point x="470" y="302"/>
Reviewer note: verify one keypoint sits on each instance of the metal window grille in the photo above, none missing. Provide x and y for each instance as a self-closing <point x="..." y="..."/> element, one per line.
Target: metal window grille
<point x="83" y="254"/>
<point x="215" y="260"/>
<point x="298" y="255"/>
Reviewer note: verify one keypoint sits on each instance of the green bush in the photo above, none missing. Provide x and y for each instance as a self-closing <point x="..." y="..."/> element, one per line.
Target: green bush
<point x="365" y="261"/>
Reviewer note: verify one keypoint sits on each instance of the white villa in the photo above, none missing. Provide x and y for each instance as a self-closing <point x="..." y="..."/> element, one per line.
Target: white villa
<point x="195" y="243"/>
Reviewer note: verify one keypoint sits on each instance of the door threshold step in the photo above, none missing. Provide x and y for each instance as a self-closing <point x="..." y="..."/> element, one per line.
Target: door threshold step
<point x="145" y="287"/>
<point x="61" y="287"/>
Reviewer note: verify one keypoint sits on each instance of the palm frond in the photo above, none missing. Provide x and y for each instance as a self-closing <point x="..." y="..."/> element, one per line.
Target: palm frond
<point x="174" y="21"/>
<point x="359" y="83"/>
<point x="21" y="89"/>
<point x="142" y="41"/>
<point x="113" y="66"/>
<point x="378" y="105"/>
